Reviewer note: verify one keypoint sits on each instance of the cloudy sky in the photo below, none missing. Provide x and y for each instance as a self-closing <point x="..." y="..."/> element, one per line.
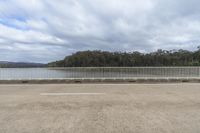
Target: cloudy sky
<point x="48" y="30"/>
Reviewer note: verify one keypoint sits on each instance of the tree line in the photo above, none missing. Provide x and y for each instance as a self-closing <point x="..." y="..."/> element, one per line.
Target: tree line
<point x="124" y="59"/>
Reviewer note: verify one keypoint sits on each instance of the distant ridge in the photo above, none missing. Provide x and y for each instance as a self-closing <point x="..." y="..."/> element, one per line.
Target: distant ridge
<point x="7" y="64"/>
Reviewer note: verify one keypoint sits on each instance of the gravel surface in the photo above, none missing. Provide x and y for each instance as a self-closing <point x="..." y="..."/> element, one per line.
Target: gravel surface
<point x="100" y="108"/>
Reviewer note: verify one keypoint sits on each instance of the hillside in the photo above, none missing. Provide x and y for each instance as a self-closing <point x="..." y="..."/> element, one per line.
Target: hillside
<point x="119" y="59"/>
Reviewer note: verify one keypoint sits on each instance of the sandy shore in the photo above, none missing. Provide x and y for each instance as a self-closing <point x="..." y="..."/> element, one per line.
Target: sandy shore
<point x="100" y="108"/>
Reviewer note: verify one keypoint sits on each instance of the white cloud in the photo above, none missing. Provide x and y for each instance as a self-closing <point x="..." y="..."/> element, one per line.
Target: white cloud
<point x="46" y="30"/>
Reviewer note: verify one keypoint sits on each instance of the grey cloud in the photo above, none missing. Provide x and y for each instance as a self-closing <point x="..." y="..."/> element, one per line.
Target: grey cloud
<point x="43" y="30"/>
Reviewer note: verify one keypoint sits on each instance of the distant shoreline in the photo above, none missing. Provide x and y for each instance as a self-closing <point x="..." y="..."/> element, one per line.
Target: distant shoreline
<point x="5" y="64"/>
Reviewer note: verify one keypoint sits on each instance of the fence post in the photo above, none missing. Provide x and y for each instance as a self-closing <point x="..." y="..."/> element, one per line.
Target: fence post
<point x="199" y="71"/>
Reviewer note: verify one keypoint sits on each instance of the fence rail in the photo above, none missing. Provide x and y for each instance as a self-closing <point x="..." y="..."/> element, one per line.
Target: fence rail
<point x="99" y="72"/>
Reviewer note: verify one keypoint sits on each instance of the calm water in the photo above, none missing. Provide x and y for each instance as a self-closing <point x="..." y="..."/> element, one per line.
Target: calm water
<point x="47" y="73"/>
<point x="55" y="73"/>
<point x="31" y="73"/>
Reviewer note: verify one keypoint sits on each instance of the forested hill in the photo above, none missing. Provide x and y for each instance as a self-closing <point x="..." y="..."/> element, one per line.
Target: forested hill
<point x="118" y="59"/>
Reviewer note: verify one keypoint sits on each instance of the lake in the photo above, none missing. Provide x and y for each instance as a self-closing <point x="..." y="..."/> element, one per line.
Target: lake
<point x="60" y="73"/>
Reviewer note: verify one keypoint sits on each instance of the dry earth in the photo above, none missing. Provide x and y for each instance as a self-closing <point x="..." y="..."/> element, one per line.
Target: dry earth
<point x="100" y="108"/>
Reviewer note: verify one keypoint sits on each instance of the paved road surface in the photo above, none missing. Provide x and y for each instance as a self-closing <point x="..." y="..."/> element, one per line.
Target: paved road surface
<point x="93" y="108"/>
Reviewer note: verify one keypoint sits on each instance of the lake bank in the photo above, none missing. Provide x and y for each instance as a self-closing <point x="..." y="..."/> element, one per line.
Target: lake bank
<point x="102" y="80"/>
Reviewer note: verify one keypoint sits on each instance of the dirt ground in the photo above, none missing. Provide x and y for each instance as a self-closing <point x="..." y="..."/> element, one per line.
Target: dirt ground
<point x="100" y="108"/>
